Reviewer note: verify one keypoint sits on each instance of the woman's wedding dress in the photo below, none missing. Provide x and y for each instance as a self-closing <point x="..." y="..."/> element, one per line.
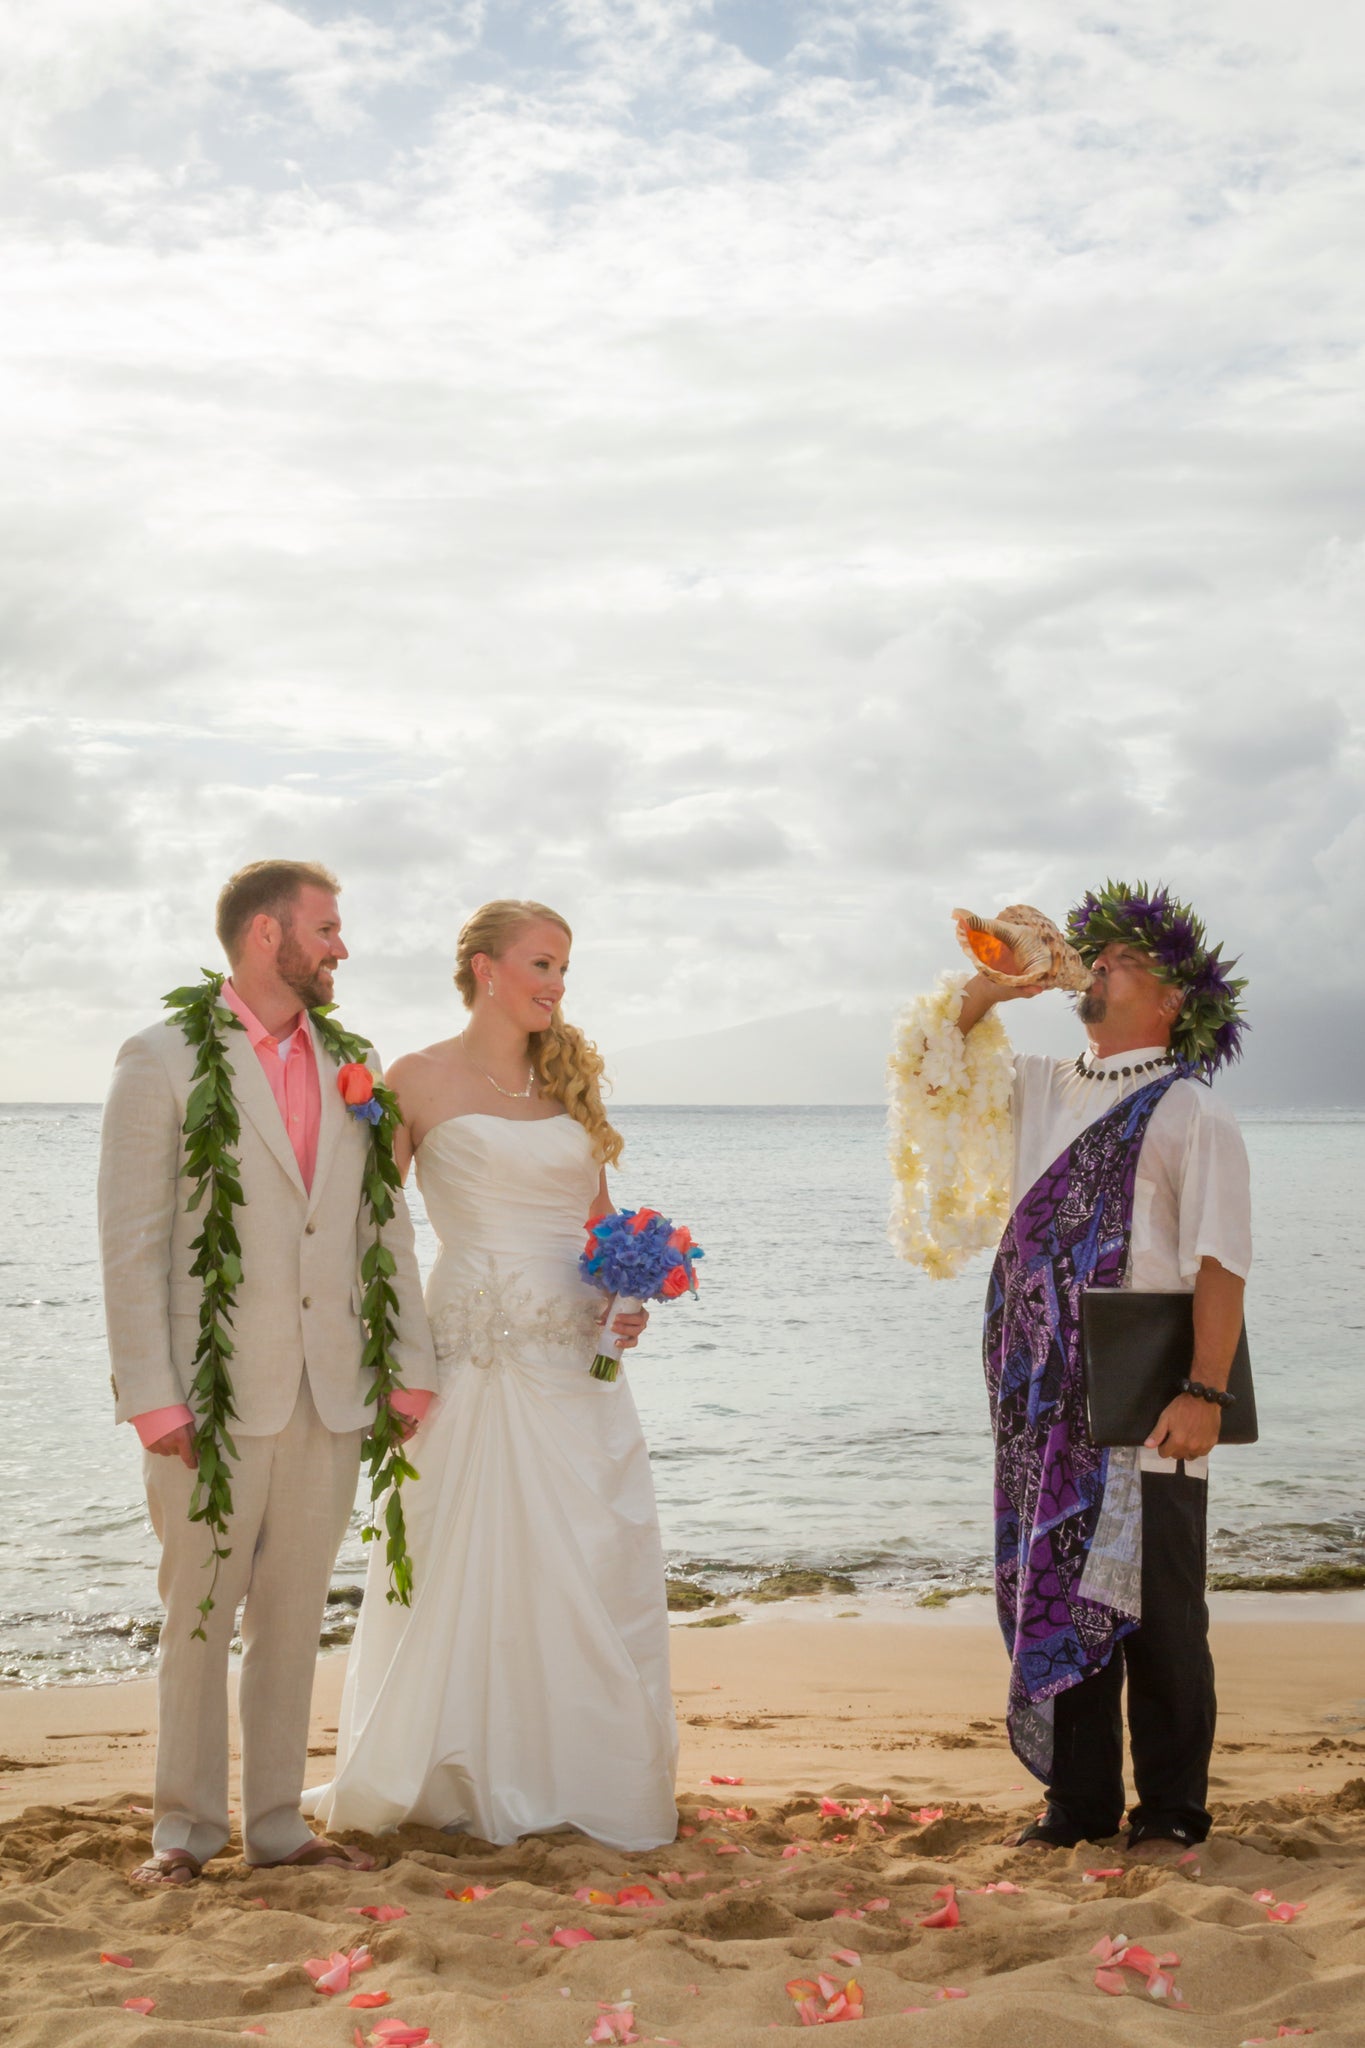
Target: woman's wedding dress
<point x="528" y="1685"/>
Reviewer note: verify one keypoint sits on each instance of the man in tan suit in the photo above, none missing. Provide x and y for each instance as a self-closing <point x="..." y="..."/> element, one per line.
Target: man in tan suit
<point x="298" y="1381"/>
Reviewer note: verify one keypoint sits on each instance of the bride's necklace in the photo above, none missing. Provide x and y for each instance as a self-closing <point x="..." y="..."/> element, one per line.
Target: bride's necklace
<point x="512" y="1094"/>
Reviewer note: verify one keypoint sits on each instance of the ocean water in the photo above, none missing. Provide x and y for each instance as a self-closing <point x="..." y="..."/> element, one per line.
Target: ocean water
<point x="819" y="1405"/>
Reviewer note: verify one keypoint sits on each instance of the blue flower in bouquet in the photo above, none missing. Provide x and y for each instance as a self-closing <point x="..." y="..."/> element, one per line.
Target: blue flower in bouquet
<point x="639" y="1253"/>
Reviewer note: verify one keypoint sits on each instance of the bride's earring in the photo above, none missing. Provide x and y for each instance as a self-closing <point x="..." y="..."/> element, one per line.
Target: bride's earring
<point x="490" y="990"/>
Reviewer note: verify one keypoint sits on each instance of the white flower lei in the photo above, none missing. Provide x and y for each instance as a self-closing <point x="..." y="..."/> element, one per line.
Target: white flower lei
<point x="950" y="1131"/>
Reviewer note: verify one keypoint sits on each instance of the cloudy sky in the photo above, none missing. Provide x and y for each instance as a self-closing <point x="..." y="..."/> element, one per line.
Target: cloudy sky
<point x="752" y="472"/>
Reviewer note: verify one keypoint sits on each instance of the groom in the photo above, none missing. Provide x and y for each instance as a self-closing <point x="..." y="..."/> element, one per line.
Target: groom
<point x="298" y="1382"/>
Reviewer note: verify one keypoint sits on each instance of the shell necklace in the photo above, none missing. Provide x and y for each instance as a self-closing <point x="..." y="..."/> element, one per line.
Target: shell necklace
<point x="1118" y="1073"/>
<point x="512" y="1094"/>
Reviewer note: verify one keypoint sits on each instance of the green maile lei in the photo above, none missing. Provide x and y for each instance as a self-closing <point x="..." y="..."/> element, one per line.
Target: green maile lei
<point x="212" y="1131"/>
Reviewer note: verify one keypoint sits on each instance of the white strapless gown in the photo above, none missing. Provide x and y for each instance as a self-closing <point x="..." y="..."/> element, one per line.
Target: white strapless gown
<point x="528" y="1685"/>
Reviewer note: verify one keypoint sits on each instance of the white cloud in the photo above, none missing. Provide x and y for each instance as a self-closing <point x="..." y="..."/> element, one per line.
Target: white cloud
<point x="759" y="477"/>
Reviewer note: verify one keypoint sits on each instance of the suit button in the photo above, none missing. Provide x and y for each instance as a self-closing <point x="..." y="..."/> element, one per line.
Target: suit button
<point x="309" y="1228"/>
<point x="308" y="1301"/>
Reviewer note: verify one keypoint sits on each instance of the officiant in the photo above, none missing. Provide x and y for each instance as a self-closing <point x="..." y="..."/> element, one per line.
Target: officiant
<point x="1120" y="1168"/>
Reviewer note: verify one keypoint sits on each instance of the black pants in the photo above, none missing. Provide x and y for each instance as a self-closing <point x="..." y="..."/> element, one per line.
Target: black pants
<point x="1172" y="1709"/>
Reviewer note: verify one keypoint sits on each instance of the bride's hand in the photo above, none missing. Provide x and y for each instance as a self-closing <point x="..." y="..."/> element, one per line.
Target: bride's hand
<point x="630" y="1328"/>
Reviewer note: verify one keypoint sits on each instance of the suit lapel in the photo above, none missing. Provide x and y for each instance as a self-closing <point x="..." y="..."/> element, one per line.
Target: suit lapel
<point x="335" y="1116"/>
<point x="254" y="1100"/>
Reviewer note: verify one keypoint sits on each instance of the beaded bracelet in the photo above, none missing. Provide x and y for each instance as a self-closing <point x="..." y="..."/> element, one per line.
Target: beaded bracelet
<point x="1203" y="1393"/>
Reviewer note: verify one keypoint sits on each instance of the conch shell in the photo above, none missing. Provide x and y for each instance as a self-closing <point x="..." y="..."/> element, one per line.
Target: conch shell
<point x="1037" y="945"/>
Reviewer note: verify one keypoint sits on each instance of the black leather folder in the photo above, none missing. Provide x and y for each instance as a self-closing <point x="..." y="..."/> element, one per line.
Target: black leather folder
<point x="1136" y="1349"/>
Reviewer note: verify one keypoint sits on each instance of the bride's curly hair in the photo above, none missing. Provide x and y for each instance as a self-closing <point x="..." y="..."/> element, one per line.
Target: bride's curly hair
<point x="568" y="1067"/>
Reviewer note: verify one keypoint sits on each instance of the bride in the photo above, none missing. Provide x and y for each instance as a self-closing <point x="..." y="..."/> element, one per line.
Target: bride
<point x="528" y="1685"/>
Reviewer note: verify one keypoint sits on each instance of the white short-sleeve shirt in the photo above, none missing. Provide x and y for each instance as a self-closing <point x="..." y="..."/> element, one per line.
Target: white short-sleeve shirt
<point x="1192" y="1198"/>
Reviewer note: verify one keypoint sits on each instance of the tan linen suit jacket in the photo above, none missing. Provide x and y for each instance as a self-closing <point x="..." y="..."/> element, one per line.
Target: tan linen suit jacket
<point x="298" y="1304"/>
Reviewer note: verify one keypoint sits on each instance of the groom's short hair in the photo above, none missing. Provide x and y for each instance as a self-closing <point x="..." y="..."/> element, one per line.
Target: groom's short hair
<point x="265" y="885"/>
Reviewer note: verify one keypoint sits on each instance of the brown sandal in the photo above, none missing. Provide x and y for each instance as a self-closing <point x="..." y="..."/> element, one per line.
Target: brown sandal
<point x="320" y="1854"/>
<point x="165" y="1867"/>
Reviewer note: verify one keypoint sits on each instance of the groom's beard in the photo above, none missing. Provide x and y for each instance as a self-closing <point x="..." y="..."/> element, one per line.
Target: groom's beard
<point x="294" y="971"/>
<point x="1092" y="1007"/>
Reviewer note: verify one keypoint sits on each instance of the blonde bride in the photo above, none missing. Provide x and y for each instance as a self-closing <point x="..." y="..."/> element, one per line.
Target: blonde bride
<point x="528" y="1685"/>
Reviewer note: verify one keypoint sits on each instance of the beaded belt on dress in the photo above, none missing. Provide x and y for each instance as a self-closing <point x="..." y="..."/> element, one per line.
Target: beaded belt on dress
<point x="492" y="1318"/>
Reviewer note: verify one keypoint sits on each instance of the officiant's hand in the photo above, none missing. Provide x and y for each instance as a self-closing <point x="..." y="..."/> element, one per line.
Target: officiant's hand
<point x="177" y="1443"/>
<point x="1188" y="1428"/>
<point x="630" y="1328"/>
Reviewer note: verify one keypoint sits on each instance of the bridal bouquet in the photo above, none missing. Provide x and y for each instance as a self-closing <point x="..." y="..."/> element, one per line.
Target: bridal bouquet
<point x="637" y="1255"/>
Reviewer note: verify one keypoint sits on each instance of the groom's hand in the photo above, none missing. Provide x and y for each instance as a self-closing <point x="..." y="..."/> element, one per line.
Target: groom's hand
<point x="177" y="1443"/>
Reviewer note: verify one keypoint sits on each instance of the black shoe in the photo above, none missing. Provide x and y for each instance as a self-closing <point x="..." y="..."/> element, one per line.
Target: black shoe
<point x="1050" y="1836"/>
<point x="1055" y="1831"/>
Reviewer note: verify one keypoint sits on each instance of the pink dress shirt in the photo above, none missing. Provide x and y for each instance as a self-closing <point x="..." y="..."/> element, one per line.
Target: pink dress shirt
<point x="290" y="1066"/>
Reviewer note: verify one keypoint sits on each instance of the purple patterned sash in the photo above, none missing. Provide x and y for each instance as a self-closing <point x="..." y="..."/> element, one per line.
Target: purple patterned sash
<point x="1070" y="1231"/>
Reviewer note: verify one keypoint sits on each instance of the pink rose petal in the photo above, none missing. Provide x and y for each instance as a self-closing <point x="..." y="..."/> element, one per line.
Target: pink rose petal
<point x="948" y="1914"/>
<point x="570" y="1937"/>
<point x="121" y="1962"/>
<point x="142" y="2005"/>
<point x="380" y="1912"/>
<point x="1284" y="1911"/>
<point x="1111" y="1981"/>
<point x="717" y="1778"/>
<point x="950" y="1991"/>
<point x="846" y="1955"/>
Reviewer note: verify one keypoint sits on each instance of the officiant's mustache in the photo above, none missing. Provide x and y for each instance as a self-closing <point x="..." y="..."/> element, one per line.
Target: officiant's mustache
<point x="1093" y="1005"/>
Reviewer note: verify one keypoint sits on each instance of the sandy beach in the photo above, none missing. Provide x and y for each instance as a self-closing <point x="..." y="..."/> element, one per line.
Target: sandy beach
<point x="890" y="1717"/>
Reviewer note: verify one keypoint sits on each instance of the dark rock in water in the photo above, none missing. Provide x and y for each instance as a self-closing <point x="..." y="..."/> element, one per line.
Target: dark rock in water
<point x="716" y="1621"/>
<point x="338" y="1623"/>
<point x="800" y="1585"/>
<point x="142" y="1632"/>
<point x="1310" y="1578"/>
<point x="685" y="1594"/>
